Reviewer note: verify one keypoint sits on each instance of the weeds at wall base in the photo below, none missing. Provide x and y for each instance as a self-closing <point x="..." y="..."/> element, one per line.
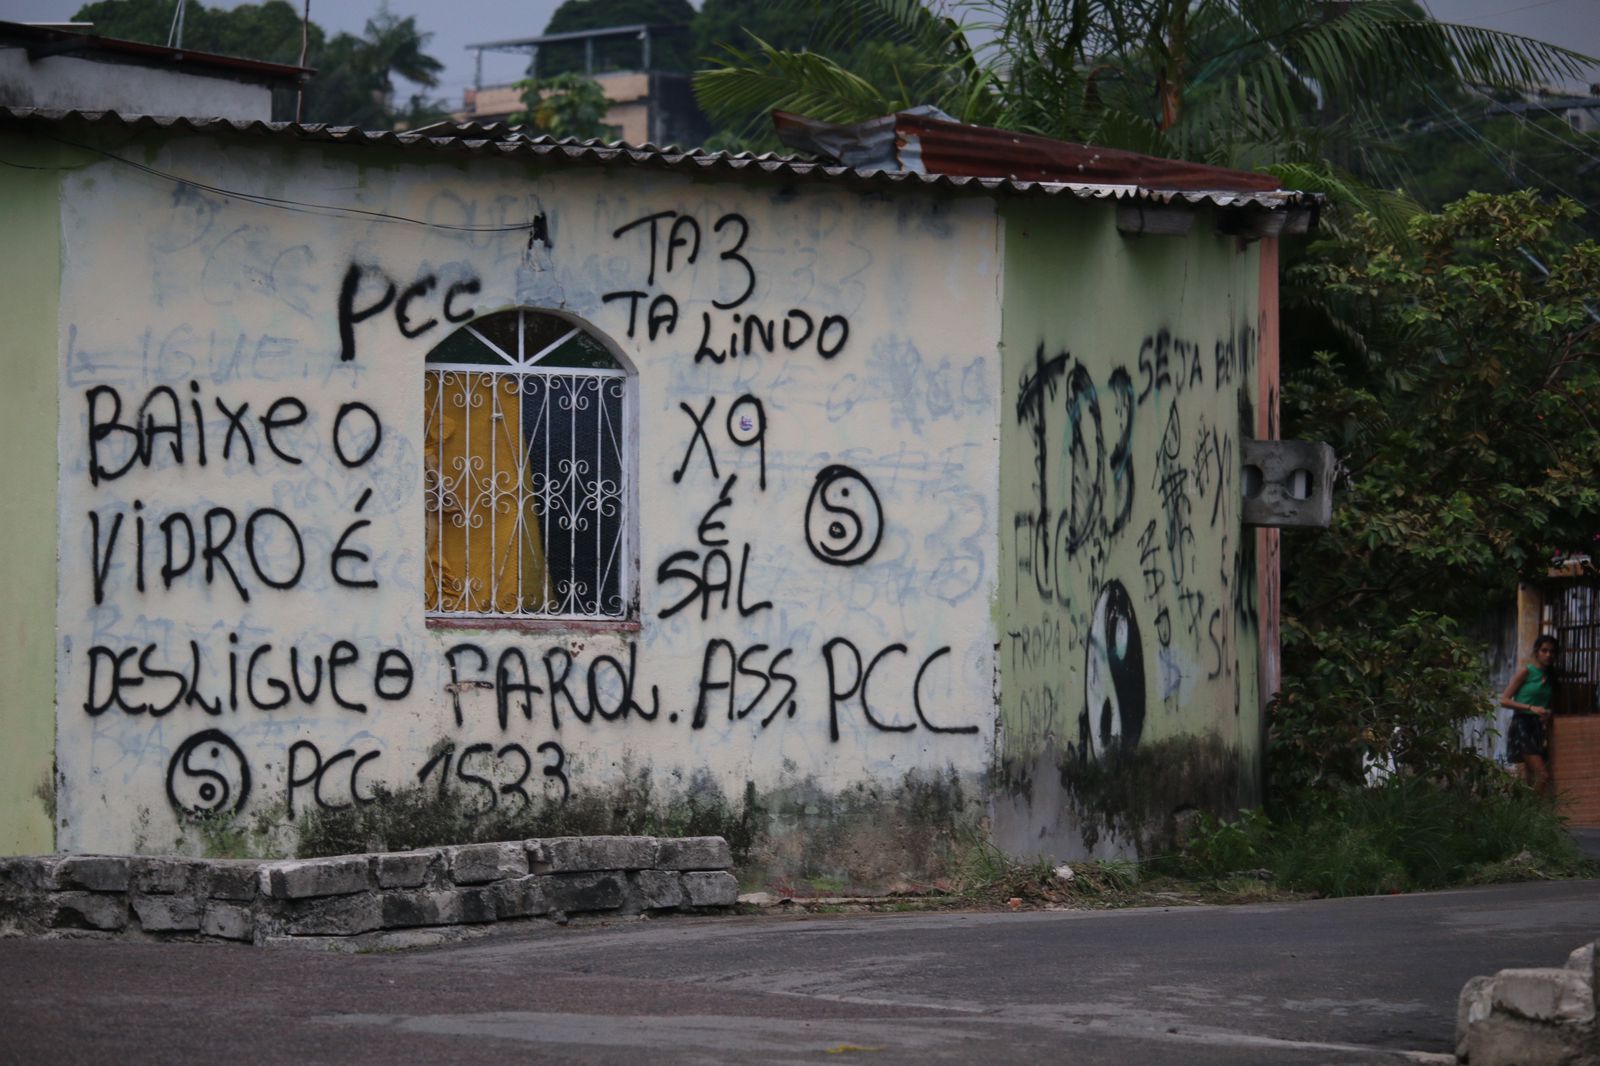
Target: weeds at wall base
<point x="406" y="819"/>
<point x="1406" y="834"/>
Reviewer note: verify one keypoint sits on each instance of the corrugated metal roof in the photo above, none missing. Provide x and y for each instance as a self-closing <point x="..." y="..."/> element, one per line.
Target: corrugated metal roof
<point x="498" y="140"/>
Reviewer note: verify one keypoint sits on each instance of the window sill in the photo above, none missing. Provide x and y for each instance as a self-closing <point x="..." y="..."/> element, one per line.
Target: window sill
<point x="537" y="625"/>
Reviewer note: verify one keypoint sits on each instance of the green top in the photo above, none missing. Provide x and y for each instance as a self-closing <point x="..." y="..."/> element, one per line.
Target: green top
<point x="1536" y="690"/>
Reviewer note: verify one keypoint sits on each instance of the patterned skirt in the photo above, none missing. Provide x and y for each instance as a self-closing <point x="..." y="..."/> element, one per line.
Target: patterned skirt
<point x="1525" y="737"/>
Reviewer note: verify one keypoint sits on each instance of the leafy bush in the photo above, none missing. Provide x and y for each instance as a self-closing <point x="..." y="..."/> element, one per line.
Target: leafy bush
<point x="1405" y="834"/>
<point x="1460" y="386"/>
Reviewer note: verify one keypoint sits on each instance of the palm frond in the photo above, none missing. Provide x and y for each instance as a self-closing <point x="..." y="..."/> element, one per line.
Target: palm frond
<point x="768" y="79"/>
<point x="1391" y="210"/>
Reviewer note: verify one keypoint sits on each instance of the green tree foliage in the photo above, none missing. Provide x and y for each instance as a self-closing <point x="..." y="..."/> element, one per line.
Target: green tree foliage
<point x="1266" y="84"/>
<point x="354" y="84"/>
<point x="567" y="105"/>
<point x="863" y="58"/>
<point x="268" y="31"/>
<point x="1447" y="144"/>
<point x="791" y="26"/>
<point x="1460" y="387"/>
<point x="669" y="51"/>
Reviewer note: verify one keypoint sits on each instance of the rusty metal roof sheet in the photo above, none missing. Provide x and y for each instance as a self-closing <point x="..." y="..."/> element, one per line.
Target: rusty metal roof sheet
<point x="926" y="139"/>
<point x="49" y="40"/>
<point x="497" y="140"/>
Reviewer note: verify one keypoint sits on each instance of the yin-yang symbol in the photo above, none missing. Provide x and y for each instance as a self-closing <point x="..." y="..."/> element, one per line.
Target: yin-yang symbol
<point x="1113" y="714"/>
<point x="208" y="774"/>
<point x="844" y="520"/>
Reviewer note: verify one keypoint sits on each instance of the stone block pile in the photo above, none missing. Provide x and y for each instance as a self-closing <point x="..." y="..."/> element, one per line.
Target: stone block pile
<point x="284" y="901"/>
<point x="1532" y="1017"/>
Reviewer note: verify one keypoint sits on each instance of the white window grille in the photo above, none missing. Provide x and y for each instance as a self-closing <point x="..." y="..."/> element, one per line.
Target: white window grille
<point x="525" y="472"/>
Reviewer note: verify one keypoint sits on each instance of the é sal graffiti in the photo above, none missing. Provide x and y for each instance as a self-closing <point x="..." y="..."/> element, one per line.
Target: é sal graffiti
<point x="673" y="243"/>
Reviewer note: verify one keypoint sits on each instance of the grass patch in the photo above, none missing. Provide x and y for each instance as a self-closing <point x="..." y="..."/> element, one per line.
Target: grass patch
<point x="1406" y="834"/>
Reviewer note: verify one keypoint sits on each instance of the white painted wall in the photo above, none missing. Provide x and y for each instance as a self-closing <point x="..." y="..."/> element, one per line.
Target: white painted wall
<point x="70" y="82"/>
<point x="220" y="299"/>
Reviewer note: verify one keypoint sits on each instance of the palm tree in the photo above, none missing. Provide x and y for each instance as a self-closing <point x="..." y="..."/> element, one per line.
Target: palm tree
<point x="393" y="45"/>
<point x="1292" y="87"/>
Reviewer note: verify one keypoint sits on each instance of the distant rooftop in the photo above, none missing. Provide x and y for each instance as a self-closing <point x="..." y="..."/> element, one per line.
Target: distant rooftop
<point x="52" y="39"/>
<point x="643" y="32"/>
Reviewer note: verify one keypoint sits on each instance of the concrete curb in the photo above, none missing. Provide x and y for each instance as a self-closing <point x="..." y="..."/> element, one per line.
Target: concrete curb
<point x="1532" y="1017"/>
<point x="390" y="897"/>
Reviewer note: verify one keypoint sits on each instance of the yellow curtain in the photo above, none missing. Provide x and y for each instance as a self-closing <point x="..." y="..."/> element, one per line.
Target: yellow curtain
<point x="485" y="551"/>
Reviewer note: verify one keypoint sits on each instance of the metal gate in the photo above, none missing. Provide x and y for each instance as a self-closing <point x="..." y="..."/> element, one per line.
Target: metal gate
<point x="1572" y="614"/>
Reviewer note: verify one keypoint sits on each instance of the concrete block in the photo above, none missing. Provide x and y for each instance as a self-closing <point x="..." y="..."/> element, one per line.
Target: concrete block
<point x="167" y="914"/>
<point x="478" y="905"/>
<point x="566" y="855"/>
<point x="336" y="916"/>
<point x="1475" y="1004"/>
<point x="477" y="864"/>
<point x="308" y="878"/>
<point x="93" y="873"/>
<point x="89" y="910"/>
<point x="227" y="921"/>
<point x="1585" y="961"/>
<point x="520" y="897"/>
<point x="574" y="892"/>
<point x="658" y="889"/>
<point x="23" y="875"/>
<point x="1500" y="1040"/>
<point x="406" y="869"/>
<point x="166" y="876"/>
<point x="230" y="878"/>
<point x="695" y="853"/>
<point x="407" y="909"/>
<point x="711" y="888"/>
<point x="404" y="909"/>
<point x="1545" y="995"/>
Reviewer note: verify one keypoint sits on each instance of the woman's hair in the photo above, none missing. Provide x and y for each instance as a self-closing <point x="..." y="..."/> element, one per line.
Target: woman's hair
<point x="1547" y="639"/>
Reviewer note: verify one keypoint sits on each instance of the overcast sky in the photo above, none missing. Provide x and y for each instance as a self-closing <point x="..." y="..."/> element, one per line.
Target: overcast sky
<point x="458" y="23"/>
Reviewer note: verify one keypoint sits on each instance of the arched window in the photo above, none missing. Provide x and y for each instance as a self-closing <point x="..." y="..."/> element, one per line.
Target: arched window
<point x="526" y="473"/>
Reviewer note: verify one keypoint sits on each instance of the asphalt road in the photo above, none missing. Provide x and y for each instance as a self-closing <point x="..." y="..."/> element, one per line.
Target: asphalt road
<point x="1339" y="981"/>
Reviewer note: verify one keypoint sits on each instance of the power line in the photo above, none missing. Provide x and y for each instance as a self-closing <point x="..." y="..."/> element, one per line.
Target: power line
<point x="300" y="206"/>
<point x="1547" y="135"/>
<point x="1469" y="134"/>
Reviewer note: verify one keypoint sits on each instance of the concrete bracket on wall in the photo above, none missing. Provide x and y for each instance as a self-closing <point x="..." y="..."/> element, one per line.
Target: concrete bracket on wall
<point x="1287" y="483"/>
<point x="1251" y="223"/>
<point x="1168" y="220"/>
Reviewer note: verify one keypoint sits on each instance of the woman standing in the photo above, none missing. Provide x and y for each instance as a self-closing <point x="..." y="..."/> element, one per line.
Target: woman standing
<point x="1530" y="696"/>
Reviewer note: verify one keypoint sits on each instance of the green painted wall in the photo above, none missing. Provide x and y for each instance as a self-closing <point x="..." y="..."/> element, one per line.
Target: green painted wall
<point x="30" y="284"/>
<point x="1127" y="594"/>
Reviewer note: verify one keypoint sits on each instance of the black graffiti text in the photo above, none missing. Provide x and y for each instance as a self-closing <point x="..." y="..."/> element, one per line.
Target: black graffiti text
<point x="608" y="690"/>
<point x="141" y="679"/>
<point x="849" y="678"/>
<point x="367" y="291"/>
<point x="497" y="772"/>
<point x="727" y="675"/>
<point x="165" y="424"/>
<point x="334" y="782"/>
